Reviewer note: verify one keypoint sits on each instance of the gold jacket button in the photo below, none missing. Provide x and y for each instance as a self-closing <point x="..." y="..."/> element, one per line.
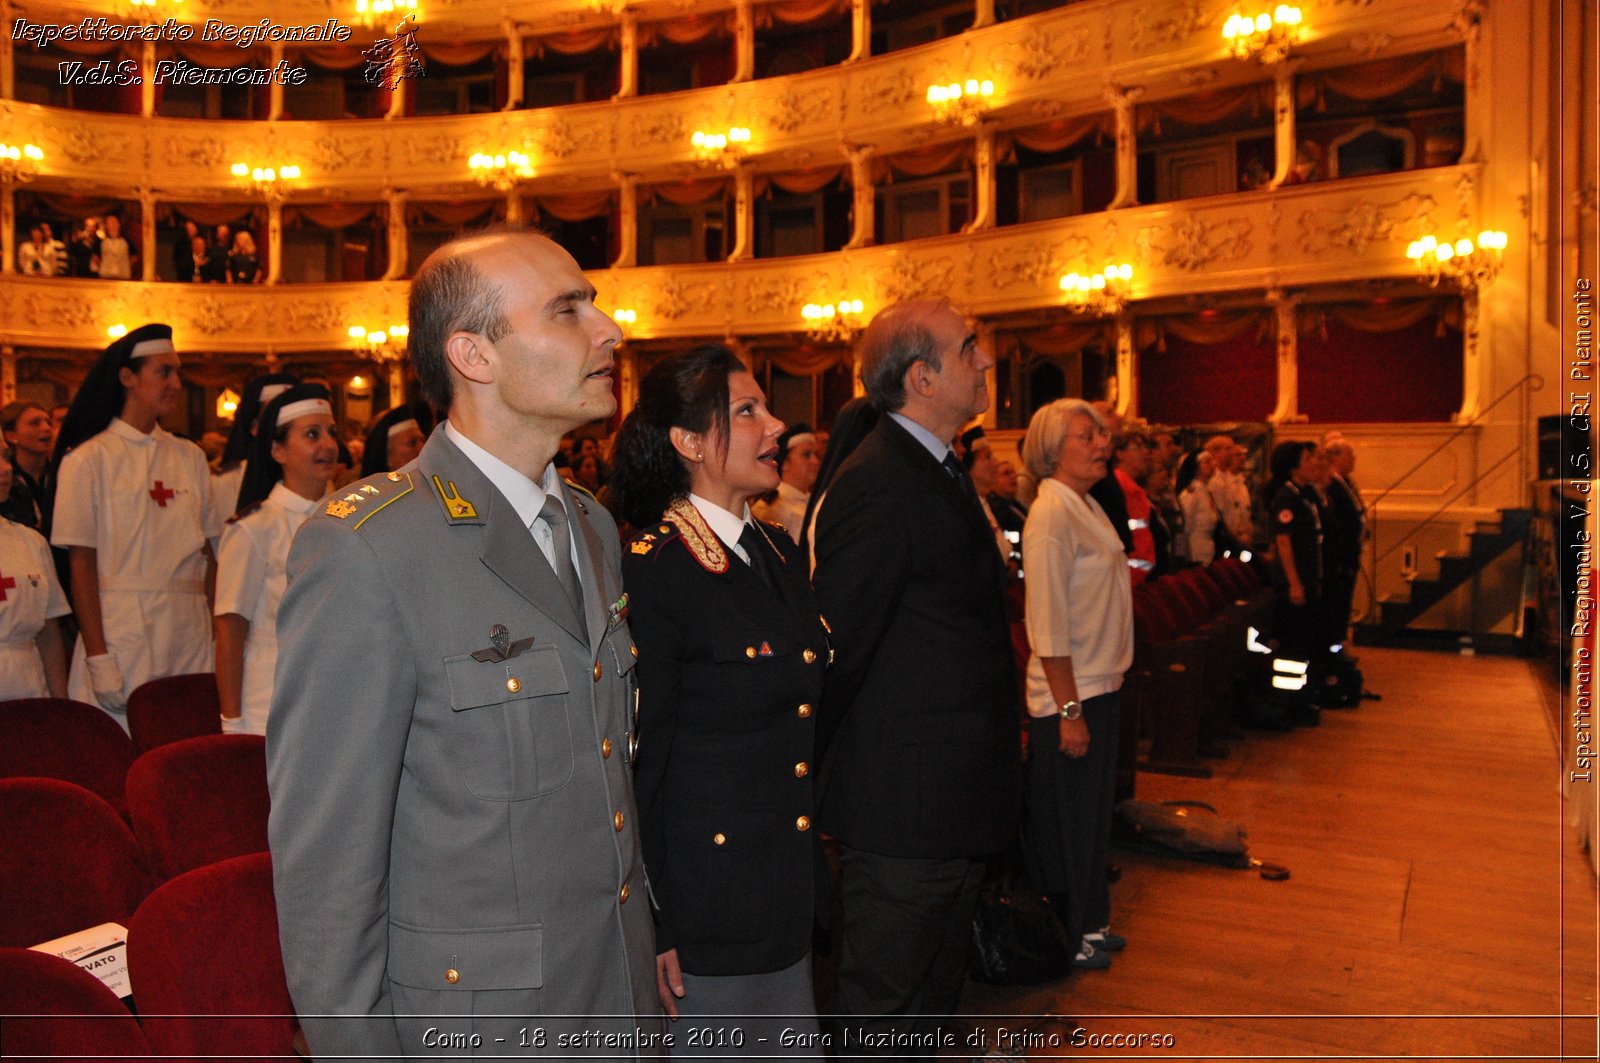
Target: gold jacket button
<point x="803" y="823"/>
<point x="597" y="671"/>
<point x="801" y="770"/>
<point x="622" y="894"/>
<point x="513" y="684"/>
<point x="452" y="976"/>
<point x="616" y="821"/>
<point x="719" y="838"/>
<point x="750" y="652"/>
<point x="803" y="711"/>
<point x="635" y="651"/>
<point x="395" y="477"/>
<point x="809" y="656"/>
<point x="605" y="748"/>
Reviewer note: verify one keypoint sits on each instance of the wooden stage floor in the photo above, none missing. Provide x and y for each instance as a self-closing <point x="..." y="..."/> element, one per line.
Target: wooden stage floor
<point x="1438" y="905"/>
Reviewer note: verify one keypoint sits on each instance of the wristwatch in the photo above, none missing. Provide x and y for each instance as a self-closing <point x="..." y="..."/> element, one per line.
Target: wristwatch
<point x="1071" y="709"/>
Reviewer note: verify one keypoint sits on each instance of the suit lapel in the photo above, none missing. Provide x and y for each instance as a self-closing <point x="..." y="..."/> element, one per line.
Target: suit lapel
<point x="591" y="566"/>
<point x="935" y="475"/>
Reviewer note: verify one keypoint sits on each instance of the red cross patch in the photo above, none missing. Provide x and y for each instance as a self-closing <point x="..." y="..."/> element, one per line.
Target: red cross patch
<point x="765" y="650"/>
<point x="6" y="583"/>
<point x="160" y="492"/>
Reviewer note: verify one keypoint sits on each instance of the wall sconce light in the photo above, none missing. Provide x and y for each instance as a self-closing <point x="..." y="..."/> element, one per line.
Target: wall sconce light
<point x="117" y="331"/>
<point x="227" y="404"/>
<point x="832" y="322"/>
<point x="726" y="150"/>
<point x="370" y="13"/>
<point x="1102" y="294"/>
<point x="961" y="103"/>
<point x="19" y="164"/>
<point x="501" y="171"/>
<point x="1263" y="37"/>
<point x="1471" y="265"/>
<point x="271" y="183"/>
<point x="625" y="319"/>
<point x="377" y="342"/>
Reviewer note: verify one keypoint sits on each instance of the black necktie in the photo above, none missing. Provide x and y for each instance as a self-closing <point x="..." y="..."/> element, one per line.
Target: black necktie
<point x="750" y="543"/>
<point x="953" y="466"/>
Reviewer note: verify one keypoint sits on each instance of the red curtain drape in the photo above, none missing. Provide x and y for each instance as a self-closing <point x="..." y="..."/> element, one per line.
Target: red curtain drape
<point x="1350" y="371"/>
<point x="1233" y="377"/>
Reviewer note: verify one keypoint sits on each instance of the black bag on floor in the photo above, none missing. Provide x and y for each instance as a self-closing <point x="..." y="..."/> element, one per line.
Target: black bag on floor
<point x="1339" y="683"/>
<point x="1016" y="938"/>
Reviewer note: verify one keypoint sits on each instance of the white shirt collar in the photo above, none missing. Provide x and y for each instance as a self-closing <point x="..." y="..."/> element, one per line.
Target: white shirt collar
<point x="939" y="448"/>
<point x="122" y="428"/>
<point x="728" y="526"/>
<point x="525" y="496"/>
<point x="792" y="493"/>
<point x="281" y="495"/>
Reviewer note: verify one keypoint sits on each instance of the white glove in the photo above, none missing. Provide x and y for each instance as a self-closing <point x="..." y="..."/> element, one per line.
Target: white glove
<point x="233" y="725"/>
<point x="106" y="679"/>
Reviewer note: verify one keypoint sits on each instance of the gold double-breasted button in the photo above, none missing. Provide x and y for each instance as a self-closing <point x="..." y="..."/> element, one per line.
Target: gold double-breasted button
<point x="803" y="823"/>
<point x="803" y="711"/>
<point x="513" y="684"/>
<point x="622" y="894"/>
<point x="719" y="838"/>
<point x="809" y="656"/>
<point x="616" y="821"/>
<point x="605" y="748"/>
<point x="801" y="770"/>
<point x="597" y="671"/>
<point x="395" y="477"/>
<point x="635" y="651"/>
<point x="750" y="652"/>
<point x="452" y="976"/>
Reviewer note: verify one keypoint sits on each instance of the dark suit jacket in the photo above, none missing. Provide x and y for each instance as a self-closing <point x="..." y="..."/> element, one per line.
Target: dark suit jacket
<point x="727" y="719"/>
<point x="919" y="737"/>
<point x="1342" y="527"/>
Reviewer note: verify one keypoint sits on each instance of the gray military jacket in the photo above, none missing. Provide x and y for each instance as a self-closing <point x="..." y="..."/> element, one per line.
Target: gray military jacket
<point x="453" y="831"/>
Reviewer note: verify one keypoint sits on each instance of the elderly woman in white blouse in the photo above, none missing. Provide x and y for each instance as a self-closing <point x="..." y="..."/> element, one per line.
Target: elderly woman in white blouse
<point x="1080" y="632"/>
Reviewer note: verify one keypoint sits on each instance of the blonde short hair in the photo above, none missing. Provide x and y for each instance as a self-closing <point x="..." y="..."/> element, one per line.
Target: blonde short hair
<point x="1047" y="432"/>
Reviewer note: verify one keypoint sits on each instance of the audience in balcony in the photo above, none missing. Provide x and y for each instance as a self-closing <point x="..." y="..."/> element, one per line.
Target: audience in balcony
<point x="117" y="255"/>
<point x="215" y="268"/>
<point x="243" y="264"/>
<point x="83" y="250"/>
<point x="186" y="253"/>
<point x="36" y="257"/>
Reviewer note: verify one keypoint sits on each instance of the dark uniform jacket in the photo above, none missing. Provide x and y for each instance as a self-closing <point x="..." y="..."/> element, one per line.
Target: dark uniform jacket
<point x="731" y="673"/>
<point x="919" y="732"/>
<point x="1343" y="527"/>
<point x="1296" y="513"/>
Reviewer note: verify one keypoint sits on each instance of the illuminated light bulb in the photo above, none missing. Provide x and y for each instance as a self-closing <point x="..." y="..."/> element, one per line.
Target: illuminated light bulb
<point x="116" y="332"/>
<point x="1463" y="246"/>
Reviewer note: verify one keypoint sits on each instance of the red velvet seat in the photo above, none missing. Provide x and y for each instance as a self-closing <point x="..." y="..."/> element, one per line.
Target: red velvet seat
<point x="56" y="738"/>
<point x="67" y="862"/>
<point x="203" y="955"/>
<point x="200" y="800"/>
<point x="1166" y="683"/>
<point x="173" y="708"/>
<point x="56" y="1009"/>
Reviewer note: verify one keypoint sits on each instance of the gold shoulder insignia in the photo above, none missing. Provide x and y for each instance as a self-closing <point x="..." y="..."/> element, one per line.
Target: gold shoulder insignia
<point x="697" y="536"/>
<point x="340" y="508"/>
<point x="379" y="499"/>
<point x="455" y="507"/>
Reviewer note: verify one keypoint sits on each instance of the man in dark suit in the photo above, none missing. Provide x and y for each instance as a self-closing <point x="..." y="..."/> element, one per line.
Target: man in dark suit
<point x="918" y="734"/>
<point x="1344" y="533"/>
<point x="455" y="848"/>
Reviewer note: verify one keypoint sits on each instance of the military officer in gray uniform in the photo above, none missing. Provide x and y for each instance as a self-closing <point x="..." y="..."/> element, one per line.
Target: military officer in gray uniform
<point x="453" y="836"/>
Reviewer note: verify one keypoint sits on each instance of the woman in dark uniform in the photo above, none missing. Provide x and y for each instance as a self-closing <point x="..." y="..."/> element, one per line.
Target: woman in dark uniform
<point x="1297" y="535"/>
<point x="732" y="654"/>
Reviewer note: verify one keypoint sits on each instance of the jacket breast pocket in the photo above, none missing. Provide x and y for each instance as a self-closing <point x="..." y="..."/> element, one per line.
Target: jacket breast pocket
<point x="511" y="723"/>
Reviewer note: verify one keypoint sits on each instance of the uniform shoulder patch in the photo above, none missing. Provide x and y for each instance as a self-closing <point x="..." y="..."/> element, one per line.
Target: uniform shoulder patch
<point x="649" y="541"/>
<point x="697" y="535"/>
<point x="359" y="501"/>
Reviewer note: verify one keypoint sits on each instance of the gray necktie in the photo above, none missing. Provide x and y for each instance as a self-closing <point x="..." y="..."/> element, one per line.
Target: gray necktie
<point x="555" y="518"/>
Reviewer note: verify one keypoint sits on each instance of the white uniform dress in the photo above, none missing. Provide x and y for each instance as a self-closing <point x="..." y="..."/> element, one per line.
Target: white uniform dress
<point x="225" y="498"/>
<point x="30" y="594"/>
<point x="141" y="501"/>
<point x="251" y="578"/>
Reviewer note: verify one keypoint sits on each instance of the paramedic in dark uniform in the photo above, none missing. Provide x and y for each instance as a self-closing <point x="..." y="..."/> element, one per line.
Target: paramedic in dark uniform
<point x="732" y="654"/>
<point x="1297" y="537"/>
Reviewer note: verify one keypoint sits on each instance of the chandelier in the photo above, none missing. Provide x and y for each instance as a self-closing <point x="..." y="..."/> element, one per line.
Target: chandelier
<point x="1471" y="265"/>
<point x="501" y="171"/>
<point x="726" y="150"/>
<point x="377" y="341"/>
<point x="147" y="10"/>
<point x="1102" y="294"/>
<point x="1263" y="37"/>
<point x="269" y="182"/>
<point x="832" y="322"/>
<point x="961" y="103"/>
<point x="373" y="13"/>
<point x="625" y="319"/>
<point x="19" y="165"/>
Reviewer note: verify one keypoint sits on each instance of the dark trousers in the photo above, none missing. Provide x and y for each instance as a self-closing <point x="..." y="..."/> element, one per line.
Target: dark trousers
<point x="907" y="932"/>
<point x="1338" y="593"/>
<point x="1069" y="815"/>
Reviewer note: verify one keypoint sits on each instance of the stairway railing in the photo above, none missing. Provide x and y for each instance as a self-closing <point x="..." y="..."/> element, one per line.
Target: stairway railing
<point x="1529" y="383"/>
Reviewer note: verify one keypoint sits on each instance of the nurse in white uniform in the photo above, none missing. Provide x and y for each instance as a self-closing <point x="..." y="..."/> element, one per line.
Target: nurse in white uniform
<point x="295" y="453"/>
<point x="132" y="505"/>
<point x="229" y="477"/>
<point x="33" y="659"/>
